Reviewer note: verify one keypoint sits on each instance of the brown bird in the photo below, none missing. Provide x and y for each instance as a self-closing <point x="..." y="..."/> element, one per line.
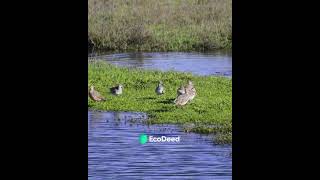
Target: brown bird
<point x="181" y="90"/>
<point x="192" y="93"/>
<point x="189" y="85"/>
<point x="185" y="94"/>
<point x="190" y="90"/>
<point x="95" y="95"/>
<point x="182" y="99"/>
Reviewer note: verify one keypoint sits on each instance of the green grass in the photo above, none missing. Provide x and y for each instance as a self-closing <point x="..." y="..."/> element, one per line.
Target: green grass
<point x="166" y="25"/>
<point x="209" y="112"/>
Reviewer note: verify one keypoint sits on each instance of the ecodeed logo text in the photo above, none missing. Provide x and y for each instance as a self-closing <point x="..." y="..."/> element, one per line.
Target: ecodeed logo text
<point x="158" y="139"/>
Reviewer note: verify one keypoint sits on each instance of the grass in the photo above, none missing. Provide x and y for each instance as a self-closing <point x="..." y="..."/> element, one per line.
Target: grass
<point x="166" y="25"/>
<point x="208" y="113"/>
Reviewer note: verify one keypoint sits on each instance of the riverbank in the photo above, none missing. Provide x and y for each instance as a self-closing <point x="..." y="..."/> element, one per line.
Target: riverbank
<point x="209" y="113"/>
<point x="151" y="25"/>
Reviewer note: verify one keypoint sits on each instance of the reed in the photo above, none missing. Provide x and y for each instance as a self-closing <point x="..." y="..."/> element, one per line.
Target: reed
<point x="160" y="25"/>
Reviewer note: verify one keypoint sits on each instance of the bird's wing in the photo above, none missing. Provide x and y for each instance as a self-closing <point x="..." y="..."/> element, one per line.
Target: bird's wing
<point x="112" y="89"/>
<point x="98" y="95"/>
<point x="182" y="99"/>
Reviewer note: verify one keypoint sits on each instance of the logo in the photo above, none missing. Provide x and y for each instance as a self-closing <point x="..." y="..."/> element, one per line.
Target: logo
<point x="158" y="139"/>
<point x="143" y="139"/>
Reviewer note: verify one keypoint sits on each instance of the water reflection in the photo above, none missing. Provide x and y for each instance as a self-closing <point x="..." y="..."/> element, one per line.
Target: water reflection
<point x="115" y="152"/>
<point x="209" y="63"/>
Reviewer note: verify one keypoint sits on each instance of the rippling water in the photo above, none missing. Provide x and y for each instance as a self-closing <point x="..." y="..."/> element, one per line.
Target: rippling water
<point x="211" y="63"/>
<point x="115" y="151"/>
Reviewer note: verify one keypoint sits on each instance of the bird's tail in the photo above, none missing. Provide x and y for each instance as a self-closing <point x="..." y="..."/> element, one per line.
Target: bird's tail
<point x="175" y="100"/>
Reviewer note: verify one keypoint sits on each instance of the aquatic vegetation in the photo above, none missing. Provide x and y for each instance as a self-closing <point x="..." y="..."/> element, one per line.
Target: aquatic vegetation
<point x="210" y="111"/>
<point x="152" y="25"/>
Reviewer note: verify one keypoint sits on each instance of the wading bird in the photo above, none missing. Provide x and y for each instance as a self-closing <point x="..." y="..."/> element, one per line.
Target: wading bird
<point x="117" y="90"/>
<point x="182" y="99"/>
<point x="160" y="88"/>
<point x="190" y="89"/>
<point x="95" y="95"/>
<point x="185" y="94"/>
<point x="181" y="90"/>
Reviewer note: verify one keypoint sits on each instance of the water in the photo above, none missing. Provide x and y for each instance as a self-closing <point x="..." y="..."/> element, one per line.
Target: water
<point x="114" y="148"/>
<point x="115" y="151"/>
<point x="210" y="63"/>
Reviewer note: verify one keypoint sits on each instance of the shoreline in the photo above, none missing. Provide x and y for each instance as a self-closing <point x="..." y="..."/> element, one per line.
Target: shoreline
<point x="209" y="113"/>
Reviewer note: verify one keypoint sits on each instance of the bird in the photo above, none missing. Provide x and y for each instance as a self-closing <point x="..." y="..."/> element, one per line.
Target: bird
<point x="192" y="93"/>
<point x="185" y="94"/>
<point x="117" y="90"/>
<point x="182" y="99"/>
<point x="160" y="88"/>
<point x="190" y="89"/>
<point x="189" y="85"/>
<point x="95" y="95"/>
<point x="181" y="90"/>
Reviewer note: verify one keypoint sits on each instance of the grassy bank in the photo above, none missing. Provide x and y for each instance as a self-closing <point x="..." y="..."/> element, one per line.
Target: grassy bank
<point x="166" y="25"/>
<point x="209" y="112"/>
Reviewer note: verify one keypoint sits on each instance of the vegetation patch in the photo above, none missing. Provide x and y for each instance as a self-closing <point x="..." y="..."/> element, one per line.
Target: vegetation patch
<point x="153" y="25"/>
<point x="209" y="113"/>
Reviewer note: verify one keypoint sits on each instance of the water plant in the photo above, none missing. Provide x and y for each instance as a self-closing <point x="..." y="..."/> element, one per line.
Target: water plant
<point x="209" y="113"/>
<point x="166" y="25"/>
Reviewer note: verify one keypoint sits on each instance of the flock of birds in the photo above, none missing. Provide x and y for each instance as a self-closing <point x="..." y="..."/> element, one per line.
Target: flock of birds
<point x="185" y="93"/>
